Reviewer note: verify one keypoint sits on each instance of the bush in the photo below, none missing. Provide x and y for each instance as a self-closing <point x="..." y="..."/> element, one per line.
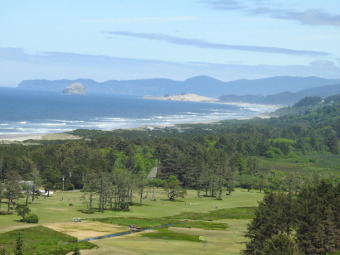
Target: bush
<point x="32" y="218"/>
<point x="88" y="211"/>
<point x="6" y="213"/>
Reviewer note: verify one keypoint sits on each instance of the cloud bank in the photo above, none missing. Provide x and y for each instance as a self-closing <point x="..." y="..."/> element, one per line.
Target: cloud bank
<point x="312" y="17"/>
<point x="218" y="46"/>
<point x="17" y="65"/>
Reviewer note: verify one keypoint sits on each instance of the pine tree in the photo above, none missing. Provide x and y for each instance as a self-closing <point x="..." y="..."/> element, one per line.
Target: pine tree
<point x="318" y="215"/>
<point x="281" y="244"/>
<point x="3" y="251"/>
<point x="76" y="251"/>
<point x="273" y="216"/>
<point x="19" y="245"/>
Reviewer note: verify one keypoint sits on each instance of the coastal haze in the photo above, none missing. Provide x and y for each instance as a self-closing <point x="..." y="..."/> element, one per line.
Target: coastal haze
<point x="226" y="39"/>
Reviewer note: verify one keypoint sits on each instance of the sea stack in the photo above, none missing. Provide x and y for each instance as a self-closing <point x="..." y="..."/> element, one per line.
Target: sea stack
<point x="75" y="89"/>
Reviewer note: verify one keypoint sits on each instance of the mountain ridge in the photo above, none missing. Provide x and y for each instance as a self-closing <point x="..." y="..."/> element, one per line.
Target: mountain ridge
<point x="201" y="85"/>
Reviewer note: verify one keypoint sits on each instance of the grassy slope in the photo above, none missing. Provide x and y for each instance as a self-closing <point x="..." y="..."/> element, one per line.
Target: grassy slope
<point x="312" y="163"/>
<point x="42" y="240"/>
<point x="53" y="210"/>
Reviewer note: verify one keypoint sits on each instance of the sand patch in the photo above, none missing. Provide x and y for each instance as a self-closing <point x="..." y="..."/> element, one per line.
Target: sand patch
<point x="83" y="230"/>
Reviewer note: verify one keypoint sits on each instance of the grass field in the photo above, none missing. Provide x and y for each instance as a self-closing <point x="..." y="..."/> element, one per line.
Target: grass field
<point x="42" y="240"/>
<point x="305" y="164"/>
<point x="222" y="222"/>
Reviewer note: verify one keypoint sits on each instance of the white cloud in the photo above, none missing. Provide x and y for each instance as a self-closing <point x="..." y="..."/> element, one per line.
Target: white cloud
<point x="16" y="65"/>
<point x="312" y="17"/>
<point x="217" y="46"/>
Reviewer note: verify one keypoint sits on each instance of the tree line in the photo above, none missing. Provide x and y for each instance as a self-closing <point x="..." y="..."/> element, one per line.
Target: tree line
<point x="302" y="223"/>
<point x="211" y="158"/>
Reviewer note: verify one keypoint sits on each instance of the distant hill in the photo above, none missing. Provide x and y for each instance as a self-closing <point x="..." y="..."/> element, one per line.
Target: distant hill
<point x="201" y="85"/>
<point x="285" y="98"/>
<point x="307" y="104"/>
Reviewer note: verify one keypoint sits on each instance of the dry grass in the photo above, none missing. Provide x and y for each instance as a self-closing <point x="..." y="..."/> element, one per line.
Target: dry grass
<point x="83" y="230"/>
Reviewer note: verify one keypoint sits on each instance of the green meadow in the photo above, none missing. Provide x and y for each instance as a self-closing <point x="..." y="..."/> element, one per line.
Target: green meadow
<point x="305" y="164"/>
<point x="199" y="223"/>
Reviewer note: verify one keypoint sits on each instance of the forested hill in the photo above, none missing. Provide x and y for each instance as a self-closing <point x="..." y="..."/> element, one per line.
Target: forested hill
<point x="310" y="112"/>
<point x="284" y="98"/>
<point x="201" y="85"/>
<point x="309" y="104"/>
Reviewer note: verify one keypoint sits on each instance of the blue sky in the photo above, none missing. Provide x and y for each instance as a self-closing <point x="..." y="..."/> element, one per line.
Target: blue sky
<point x="176" y="39"/>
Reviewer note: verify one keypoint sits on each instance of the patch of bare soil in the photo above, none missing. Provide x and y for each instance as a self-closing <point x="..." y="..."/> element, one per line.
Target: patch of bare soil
<point x="85" y="229"/>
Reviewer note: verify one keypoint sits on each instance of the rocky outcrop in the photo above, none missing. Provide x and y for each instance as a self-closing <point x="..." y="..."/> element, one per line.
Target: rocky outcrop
<point x="75" y="89"/>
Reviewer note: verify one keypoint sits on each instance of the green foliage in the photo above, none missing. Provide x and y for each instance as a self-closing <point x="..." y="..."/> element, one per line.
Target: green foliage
<point x="19" y="245"/>
<point x="42" y="240"/>
<point x="204" y="225"/>
<point x="280" y="244"/>
<point x="31" y="218"/>
<point x="173" y="188"/>
<point x="76" y="251"/>
<point x="231" y="213"/>
<point x="156" y="182"/>
<point x="309" y="220"/>
<point x="140" y="222"/>
<point x="177" y="220"/>
<point x="3" y="251"/>
<point x="22" y="210"/>
<point x="308" y="101"/>
<point x="273" y="216"/>
<point x="318" y="217"/>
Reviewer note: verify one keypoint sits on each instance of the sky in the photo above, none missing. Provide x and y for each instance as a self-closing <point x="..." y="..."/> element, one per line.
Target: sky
<point x="176" y="39"/>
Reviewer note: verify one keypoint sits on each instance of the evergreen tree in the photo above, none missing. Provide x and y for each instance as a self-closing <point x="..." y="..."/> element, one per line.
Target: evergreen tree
<point x="173" y="188"/>
<point x="3" y="251"/>
<point x="280" y="244"/>
<point x="318" y="217"/>
<point x="22" y="210"/>
<point x="273" y="216"/>
<point x="76" y="251"/>
<point x="19" y="245"/>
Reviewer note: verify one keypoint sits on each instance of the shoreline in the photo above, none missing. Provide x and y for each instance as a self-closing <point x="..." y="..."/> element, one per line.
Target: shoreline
<point x="21" y="137"/>
<point x="18" y="138"/>
<point x="262" y="113"/>
<point x="8" y="138"/>
<point x="202" y="99"/>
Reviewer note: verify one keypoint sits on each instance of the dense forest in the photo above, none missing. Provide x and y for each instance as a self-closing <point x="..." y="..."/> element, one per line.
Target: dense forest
<point x="211" y="158"/>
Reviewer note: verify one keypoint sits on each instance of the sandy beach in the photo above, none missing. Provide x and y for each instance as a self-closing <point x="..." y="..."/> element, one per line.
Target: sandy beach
<point x="24" y="137"/>
<point x="20" y="137"/>
<point x="13" y="138"/>
<point x="202" y="99"/>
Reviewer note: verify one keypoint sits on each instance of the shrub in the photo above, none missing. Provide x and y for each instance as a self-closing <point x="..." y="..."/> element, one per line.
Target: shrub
<point x="32" y="218"/>
<point x="88" y="211"/>
<point x="5" y="213"/>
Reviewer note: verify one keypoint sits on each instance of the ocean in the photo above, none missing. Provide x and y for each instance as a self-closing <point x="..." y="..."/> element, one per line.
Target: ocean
<point x="36" y="112"/>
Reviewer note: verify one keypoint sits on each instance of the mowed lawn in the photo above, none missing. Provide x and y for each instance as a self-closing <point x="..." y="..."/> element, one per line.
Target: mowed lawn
<point x="58" y="211"/>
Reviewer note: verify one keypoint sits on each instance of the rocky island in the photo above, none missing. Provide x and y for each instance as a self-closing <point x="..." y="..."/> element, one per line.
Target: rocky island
<point x="75" y="89"/>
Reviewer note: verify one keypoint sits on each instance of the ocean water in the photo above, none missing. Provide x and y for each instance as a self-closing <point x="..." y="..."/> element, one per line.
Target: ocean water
<point x="31" y="112"/>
